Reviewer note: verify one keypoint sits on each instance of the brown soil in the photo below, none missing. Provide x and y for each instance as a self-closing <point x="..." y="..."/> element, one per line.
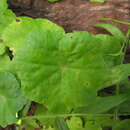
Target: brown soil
<point x="74" y="15"/>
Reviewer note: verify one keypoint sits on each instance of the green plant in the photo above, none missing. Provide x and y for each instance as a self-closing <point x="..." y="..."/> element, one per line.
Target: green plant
<point x="90" y="0"/>
<point x="64" y="73"/>
<point x="97" y="1"/>
<point x="53" y="0"/>
<point x="3" y="6"/>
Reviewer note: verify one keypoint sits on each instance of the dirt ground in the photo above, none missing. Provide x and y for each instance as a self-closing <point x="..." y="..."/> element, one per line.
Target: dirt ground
<point x="74" y="15"/>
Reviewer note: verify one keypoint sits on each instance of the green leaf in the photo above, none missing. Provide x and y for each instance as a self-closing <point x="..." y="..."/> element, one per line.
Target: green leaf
<point x="102" y="120"/>
<point x="2" y="49"/>
<point x="122" y="125"/>
<point x="116" y="32"/>
<point x="56" y="69"/>
<point x="111" y="49"/>
<point x="115" y="20"/>
<point x="11" y="99"/>
<point x="5" y="19"/>
<point x="92" y="125"/>
<point x="43" y="115"/>
<point x="61" y="74"/>
<point x="75" y="123"/>
<point x="102" y="104"/>
<point x="60" y="124"/>
<point x="53" y="0"/>
<point x="101" y="1"/>
<point x="121" y="72"/>
<point x="124" y="108"/>
<point x="3" y="5"/>
<point x="25" y="109"/>
<point x="30" y="124"/>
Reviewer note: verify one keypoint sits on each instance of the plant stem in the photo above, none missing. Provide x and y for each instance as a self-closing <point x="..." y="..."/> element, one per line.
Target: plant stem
<point x="126" y="42"/>
<point x="114" y="20"/>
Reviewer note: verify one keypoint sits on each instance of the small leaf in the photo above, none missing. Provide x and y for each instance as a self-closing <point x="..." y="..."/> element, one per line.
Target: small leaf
<point x="53" y="0"/>
<point x="25" y="109"/>
<point x="102" y="104"/>
<point x="92" y="125"/>
<point x="30" y="124"/>
<point x="11" y="99"/>
<point x="115" y="31"/>
<point x="60" y="124"/>
<point x="75" y="123"/>
<point x="115" y="20"/>
<point x="3" y="5"/>
<point x="122" y="125"/>
<point x="101" y="1"/>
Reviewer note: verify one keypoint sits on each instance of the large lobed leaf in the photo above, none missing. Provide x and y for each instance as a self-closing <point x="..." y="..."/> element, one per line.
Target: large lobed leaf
<point x="61" y="71"/>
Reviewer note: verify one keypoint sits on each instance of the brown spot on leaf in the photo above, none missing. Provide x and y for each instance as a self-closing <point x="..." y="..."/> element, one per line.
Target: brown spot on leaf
<point x="17" y="20"/>
<point x="62" y="67"/>
<point x="1" y="41"/>
<point x="86" y="83"/>
<point x="77" y="71"/>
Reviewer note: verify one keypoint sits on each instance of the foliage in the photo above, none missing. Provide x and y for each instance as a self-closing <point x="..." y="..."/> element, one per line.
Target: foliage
<point x="62" y="73"/>
<point x="3" y="6"/>
<point x="11" y="98"/>
<point x="122" y="125"/>
<point x="90" y="0"/>
<point x="53" y="0"/>
<point x="97" y="1"/>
